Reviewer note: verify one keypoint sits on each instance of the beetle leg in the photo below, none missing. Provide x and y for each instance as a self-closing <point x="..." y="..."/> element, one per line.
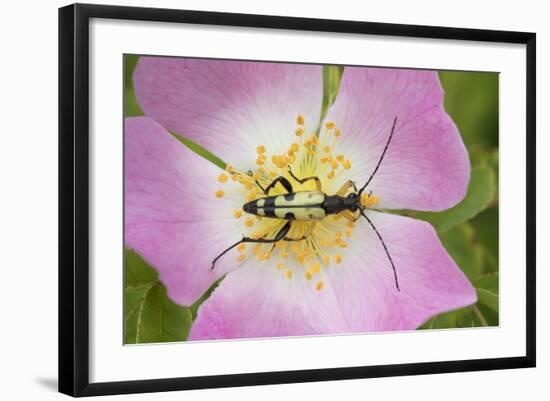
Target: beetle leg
<point x="348" y="215"/>
<point x="301" y="181"/>
<point x="282" y="180"/>
<point x="305" y="235"/>
<point x="278" y="237"/>
<point x="345" y="188"/>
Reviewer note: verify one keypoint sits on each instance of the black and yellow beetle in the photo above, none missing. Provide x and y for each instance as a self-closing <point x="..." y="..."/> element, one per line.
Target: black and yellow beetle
<point x="310" y="206"/>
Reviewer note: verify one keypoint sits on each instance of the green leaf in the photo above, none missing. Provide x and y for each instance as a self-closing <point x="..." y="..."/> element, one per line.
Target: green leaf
<point x="131" y="106"/>
<point x="195" y="307"/>
<point x="472" y="100"/>
<point x="487" y="288"/>
<point x="480" y="193"/>
<point x="149" y="314"/>
<point x="459" y="242"/>
<point x="486" y="225"/>
<point x="198" y="149"/>
<point x="332" y="75"/>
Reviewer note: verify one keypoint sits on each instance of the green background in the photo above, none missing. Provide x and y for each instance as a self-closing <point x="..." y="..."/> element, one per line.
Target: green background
<point x="469" y="231"/>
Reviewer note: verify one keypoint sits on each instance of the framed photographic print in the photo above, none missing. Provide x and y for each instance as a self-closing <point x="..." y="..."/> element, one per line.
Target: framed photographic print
<point x="250" y="199"/>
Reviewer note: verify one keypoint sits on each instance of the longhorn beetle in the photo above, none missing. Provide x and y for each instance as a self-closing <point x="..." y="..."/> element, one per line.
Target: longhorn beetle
<point x="310" y="206"/>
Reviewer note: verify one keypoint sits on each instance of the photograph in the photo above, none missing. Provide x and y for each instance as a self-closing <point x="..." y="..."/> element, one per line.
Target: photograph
<point x="269" y="199"/>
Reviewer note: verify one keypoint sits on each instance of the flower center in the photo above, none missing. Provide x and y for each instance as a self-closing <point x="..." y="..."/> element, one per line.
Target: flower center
<point x="311" y="245"/>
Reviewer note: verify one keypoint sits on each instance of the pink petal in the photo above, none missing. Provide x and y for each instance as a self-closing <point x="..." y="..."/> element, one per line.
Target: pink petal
<point x="172" y="218"/>
<point x="230" y="107"/>
<point x="426" y="166"/>
<point x="430" y="282"/>
<point x="258" y="301"/>
<point x="359" y="295"/>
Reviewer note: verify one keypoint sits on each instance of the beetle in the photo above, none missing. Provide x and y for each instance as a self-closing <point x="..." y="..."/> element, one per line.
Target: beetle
<point x="312" y="206"/>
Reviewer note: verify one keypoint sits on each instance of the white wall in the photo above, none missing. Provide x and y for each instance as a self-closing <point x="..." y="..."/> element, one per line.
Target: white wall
<point x="28" y="201"/>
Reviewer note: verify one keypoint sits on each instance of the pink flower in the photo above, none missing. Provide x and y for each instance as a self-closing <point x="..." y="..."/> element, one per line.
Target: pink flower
<point x="182" y="210"/>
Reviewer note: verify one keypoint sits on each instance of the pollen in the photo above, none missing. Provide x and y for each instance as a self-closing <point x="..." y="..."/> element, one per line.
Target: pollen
<point x="260" y="160"/>
<point x="368" y="200"/>
<point x="309" y="155"/>
<point x="223" y="178"/>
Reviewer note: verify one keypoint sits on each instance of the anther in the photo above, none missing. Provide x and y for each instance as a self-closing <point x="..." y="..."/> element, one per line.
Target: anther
<point x="223" y="178"/>
<point x="319" y="285"/>
<point x="219" y="193"/>
<point x="237" y="213"/>
<point x="300" y="119"/>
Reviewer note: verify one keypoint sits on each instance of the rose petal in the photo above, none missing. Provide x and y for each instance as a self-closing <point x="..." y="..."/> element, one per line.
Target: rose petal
<point x="258" y="301"/>
<point x="172" y="218"/>
<point x="426" y="166"/>
<point x="429" y="280"/>
<point x="359" y="295"/>
<point x="230" y="107"/>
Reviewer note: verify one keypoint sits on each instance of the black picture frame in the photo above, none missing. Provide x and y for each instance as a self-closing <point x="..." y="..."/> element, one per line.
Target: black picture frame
<point x="74" y="194"/>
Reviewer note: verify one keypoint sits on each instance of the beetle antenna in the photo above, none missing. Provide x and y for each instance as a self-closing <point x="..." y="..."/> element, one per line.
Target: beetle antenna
<point x="381" y="158"/>
<point x="385" y="249"/>
<point x="225" y="251"/>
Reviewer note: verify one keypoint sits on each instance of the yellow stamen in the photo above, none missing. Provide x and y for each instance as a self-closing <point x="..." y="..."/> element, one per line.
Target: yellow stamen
<point x="347" y="164"/>
<point x="280" y="266"/>
<point x="330" y="125"/>
<point x="338" y="258"/>
<point x="316" y="268"/>
<point x="219" y="193"/>
<point x="241" y="247"/>
<point x="326" y="149"/>
<point x="326" y="260"/>
<point x="334" y="164"/>
<point x="330" y="175"/>
<point x="300" y="120"/>
<point x="309" y="275"/>
<point x="288" y="274"/>
<point x="249" y="222"/>
<point x="319" y="285"/>
<point x="242" y="257"/>
<point x="368" y="200"/>
<point x="349" y="231"/>
<point x="237" y="213"/>
<point x="222" y="178"/>
<point x="229" y="168"/>
<point x="340" y="157"/>
<point x="337" y="132"/>
<point x="299" y="131"/>
<point x="260" y="149"/>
